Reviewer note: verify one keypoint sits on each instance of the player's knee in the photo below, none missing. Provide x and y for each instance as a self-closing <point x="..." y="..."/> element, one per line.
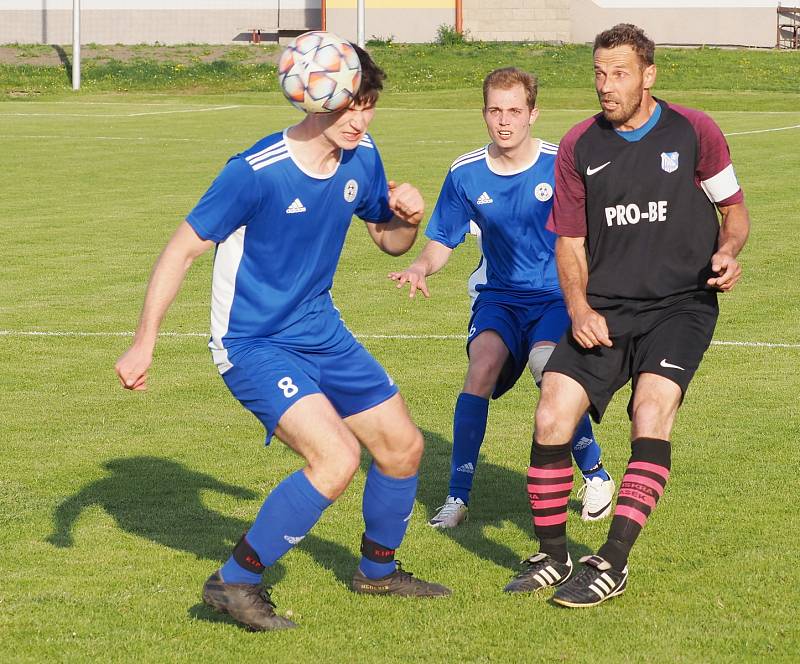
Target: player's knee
<point x="652" y="417"/>
<point x="336" y="466"/>
<point x="403" y="460"/>
<point x="546" y="423"/>
<point x="482" y="375"/>
<point x="537" y="360"/>
<point x="410" y="459"/>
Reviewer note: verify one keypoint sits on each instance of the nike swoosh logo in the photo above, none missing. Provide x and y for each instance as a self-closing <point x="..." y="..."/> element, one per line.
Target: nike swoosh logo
<point x="594" y="515"/>
<point x="667" y="365"/>
<point x="592" y="171"/>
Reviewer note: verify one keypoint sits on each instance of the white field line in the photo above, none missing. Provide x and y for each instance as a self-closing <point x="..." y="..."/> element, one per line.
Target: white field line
<point x="257" y="107"/>
<point x="382" y="108"/>
<point x="412" y="337"/>
<point x="123" y="115"/>
<point x="148" y="139"/>
<point x="761" y="131"/>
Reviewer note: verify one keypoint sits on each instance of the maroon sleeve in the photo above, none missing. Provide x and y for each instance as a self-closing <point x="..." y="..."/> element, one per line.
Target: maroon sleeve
<point x="713" y="154"/>
<point x="568" y="216"/>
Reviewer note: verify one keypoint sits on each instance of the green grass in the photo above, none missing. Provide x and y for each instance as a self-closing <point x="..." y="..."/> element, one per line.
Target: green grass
<point x="114" y="507"/>
<point x="410" y="67"/>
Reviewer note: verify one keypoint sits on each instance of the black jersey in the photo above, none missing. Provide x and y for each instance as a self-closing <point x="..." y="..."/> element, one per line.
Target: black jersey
<point x="646" y="208"/>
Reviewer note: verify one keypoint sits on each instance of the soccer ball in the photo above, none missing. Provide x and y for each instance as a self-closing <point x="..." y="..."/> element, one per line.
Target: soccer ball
<point x="319" y="72"/>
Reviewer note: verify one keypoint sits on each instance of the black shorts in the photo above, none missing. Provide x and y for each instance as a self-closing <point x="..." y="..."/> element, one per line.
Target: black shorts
<point x="666" y="337"/>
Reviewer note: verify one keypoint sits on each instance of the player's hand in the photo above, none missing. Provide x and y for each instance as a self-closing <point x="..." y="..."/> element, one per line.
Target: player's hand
<point x="415" y="277"/>
<point x="590" y="329"/>
<point x="132" y="368"/>
<point x="406" y="202"/>
<point x="728" y="269"/>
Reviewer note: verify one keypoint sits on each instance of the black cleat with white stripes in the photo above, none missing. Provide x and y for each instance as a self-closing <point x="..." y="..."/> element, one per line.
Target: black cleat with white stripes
<point x="539" y="571"/>
<point x="595" y="583"/>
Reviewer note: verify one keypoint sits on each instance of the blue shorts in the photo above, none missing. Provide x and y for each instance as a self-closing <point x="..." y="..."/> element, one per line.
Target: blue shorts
<point x="268" y="377"/>
<point x="520" y="324"/>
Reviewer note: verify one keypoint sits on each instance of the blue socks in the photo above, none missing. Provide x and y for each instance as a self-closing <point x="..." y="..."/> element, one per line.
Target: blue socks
<point x="469" y="427"/>
<point x="586" y="451"/>
<point x="286" y="516"/>
<point x="387" y="505"/>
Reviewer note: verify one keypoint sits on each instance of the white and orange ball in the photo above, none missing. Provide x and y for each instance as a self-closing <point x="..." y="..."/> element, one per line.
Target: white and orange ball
<point x="319" y="72"/>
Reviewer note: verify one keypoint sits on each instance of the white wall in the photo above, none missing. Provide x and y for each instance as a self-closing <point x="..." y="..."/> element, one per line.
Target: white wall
<point x="40" y="5"/>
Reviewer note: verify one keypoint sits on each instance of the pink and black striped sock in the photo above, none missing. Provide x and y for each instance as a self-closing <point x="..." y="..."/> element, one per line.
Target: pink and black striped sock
<point x="642" y="485"/>
<point x="549" y="486"/>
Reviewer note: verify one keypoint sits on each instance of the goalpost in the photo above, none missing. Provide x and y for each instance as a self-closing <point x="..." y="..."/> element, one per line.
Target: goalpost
<point x="76" y="44"/>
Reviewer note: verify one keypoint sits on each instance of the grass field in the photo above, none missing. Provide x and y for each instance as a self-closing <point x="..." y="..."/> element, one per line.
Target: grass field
<point x="114" y="507"/>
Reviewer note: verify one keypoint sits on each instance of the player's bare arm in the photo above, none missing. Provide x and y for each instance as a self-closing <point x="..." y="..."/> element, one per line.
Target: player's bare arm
<point x="588" y="327"/>
<point x="397" y="236"/>
<point x="431" y="259"/>
<point x="733" y="234"/>
<point x="165" y="282"/>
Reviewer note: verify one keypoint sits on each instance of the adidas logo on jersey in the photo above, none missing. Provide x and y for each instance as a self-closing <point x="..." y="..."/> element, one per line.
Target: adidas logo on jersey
<point x="295" y="207"/>
<point x="484" y="198"/>
<point x="466" y="468"/>
<point x="292" y="539"/>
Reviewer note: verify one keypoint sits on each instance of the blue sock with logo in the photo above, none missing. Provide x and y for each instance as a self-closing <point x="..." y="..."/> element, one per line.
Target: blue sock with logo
<point x="387" y="505"/>
<point x="286" y="516"/>
<point x="586" y="451"/>
<point x="469" y="428"/>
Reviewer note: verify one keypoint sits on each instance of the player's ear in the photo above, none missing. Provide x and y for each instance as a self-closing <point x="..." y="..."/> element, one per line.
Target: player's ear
<point x="649" y="75"/>
<point x="534" y="115"/>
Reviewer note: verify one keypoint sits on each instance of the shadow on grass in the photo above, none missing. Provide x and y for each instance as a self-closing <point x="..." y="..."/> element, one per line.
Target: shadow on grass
<point x="159" y="500"/>
<point x="499" y="497"/>
<point x="65" y="61"/>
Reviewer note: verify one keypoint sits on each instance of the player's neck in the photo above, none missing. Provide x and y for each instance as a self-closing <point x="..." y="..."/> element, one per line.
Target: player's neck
<point x="642" y="115"/>
<point x="313" y="150"/>
<point x="512" y="160"/>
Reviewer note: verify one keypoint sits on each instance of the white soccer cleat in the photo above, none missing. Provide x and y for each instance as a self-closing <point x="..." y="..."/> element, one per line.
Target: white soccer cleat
<point x="451" y="514"/>
<point x="597" y="496"/>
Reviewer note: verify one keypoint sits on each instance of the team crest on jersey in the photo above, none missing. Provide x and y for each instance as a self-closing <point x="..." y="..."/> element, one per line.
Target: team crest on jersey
<point x="543" y="191"/>
<point x="350" y="191"/>
<point x="669" y="161"/>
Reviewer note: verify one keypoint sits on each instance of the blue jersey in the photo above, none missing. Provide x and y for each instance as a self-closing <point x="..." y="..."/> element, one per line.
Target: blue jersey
<point x="279" y="231"/>
<point x="508" y="212"/>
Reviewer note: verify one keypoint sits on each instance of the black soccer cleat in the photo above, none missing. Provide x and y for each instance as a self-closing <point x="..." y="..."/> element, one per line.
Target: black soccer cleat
<point x="249" y="604"/>
<point x="596" y="583"/>
<point x="539" y="571"/>
<point x="400" y="583"/>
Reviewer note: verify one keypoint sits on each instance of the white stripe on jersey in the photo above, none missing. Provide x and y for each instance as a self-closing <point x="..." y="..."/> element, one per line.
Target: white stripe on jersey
<point x="280" y="145"/>
<point x="367" y="144"/>
<point x="723" y="185"/>
<point x="469" y="155"/>
<point x="478" y="276"/>
<point x="479" y="157"/>
<point x="223" y="287"/>
<point x="272" y="160"/>
<point x="549" y="148"/>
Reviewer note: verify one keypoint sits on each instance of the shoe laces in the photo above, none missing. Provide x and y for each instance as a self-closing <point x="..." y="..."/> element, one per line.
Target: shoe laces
<point x="526" y="565"/>
<point x="262" y="593"/>
<point x="450" y="508"/>
<point x="591" y="493"/>
<point x="400" y="571"/>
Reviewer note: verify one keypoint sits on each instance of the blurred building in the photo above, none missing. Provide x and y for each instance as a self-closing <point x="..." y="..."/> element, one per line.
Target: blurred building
<point x="712" y="22"/>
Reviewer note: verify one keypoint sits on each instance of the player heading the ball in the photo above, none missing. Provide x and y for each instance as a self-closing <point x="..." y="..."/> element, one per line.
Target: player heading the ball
<point x="282" y="349"/>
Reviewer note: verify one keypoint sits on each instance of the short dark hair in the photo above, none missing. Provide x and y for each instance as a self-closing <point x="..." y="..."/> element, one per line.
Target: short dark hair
<point x="627" y="34"/>
<point x="372" y="78"/>
<point x="506" y="78"/>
